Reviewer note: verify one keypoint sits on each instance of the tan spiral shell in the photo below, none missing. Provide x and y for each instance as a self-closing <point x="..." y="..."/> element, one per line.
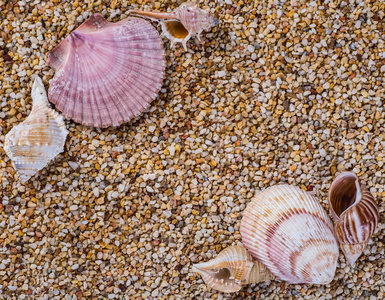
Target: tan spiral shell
<point x="287" y="230"/>
<point x="32" y="144"/>
<point x="186" y="21"/>
<point x="232" y="268"/>
<point x="355" y="214"/>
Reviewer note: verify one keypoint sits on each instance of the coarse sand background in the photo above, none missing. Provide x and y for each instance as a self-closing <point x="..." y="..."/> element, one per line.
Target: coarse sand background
<point x="280" y="92"/>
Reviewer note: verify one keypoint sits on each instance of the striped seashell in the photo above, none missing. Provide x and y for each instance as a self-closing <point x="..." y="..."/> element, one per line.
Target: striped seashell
<point x="107" y="73"/>
<point x="186" y="21"/>
<point x="32" y="144"/>
<point x="232" y="268"/>
<point x="287" y="230"/>
<point x="355" y="214"/>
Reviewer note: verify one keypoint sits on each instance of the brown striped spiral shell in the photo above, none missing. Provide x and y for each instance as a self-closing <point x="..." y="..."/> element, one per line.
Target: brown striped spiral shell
<point x="287" y="230"/>
<point x="355" y="214"/>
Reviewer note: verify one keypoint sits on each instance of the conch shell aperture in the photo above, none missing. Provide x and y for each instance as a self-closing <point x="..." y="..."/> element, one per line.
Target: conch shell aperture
<point x="355" y="214"/>
<point x="179" y="26"/>
<point x="32" y="144"/>
<point x="287" y="230"/>
<point x="232" y="268"/>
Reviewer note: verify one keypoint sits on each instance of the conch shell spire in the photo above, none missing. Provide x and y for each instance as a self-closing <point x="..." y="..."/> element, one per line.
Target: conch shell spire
<point x="153" y="15"/>
<point x="355" y="214"/>
<point x="38" y="93"/>
<point x="232" y="268"/>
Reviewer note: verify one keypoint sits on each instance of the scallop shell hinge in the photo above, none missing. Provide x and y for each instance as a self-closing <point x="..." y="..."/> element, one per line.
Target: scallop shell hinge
<point x="32" y="144"/>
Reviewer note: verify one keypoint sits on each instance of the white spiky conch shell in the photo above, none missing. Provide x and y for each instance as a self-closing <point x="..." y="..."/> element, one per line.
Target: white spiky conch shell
<point x="232" y="268"/>
<point x="287" y="230"/>
<point x="184" y="22"/>
<point x="355" y="214"/>
<point x="32" y="144"/>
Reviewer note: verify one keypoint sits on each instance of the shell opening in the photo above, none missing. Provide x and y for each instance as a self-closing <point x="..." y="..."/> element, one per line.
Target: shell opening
<point x="223" y="274"/>
<point x="345" y="193"/>
<point x="176" y="29"/>
<point x="220" y="279"/>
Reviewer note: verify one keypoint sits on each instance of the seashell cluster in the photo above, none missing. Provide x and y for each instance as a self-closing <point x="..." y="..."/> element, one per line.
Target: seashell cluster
<point x="355" y="214"/>
<point x="287" y="230"/>
<point x="107" y="73"/>
<point x="32" y="144"/>
<point x="232" y="268"/>
<point x="186" y="21"/>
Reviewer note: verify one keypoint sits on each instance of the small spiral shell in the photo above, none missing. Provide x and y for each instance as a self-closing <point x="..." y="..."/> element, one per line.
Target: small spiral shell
<point x="179" y="26"/>
<point x="194" y="19"/>
<point x="355" y="214"/>
<point x="288" y="231"/>
<point x="232" y="268"/>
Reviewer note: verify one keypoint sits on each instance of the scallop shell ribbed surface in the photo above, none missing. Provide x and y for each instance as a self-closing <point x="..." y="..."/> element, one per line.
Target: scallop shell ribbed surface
<point x="287" y="229"/>
<point x="32" y="144"/>
<point x="107" y="73"/>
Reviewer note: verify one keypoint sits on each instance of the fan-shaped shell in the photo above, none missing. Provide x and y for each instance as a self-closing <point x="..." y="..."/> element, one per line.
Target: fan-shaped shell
<point x="288" y="231"/>
<point x="231" y="268"/>
<point x="107" y="73"/>
<point x="186" y="21"/>
<point x="32" y="144"/>
<point x="355" y="214"/>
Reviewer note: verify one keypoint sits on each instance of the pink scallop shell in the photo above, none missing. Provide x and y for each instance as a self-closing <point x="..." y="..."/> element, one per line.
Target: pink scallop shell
<point x="107" y="73"/>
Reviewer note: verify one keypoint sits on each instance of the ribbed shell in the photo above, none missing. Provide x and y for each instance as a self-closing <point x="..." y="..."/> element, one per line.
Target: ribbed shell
<point x="355" y="214"/>
<point x="288" y="230"/>
<point x="107" y="73"/>
<point x="259" y="273"/>
<point x="186" y="21"/>
<point x="231" y="268"/>
<point x="32" y="144"/>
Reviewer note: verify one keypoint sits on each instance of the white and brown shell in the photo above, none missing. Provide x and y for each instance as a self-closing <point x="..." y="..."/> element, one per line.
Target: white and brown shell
<point x="232" y="268"/>
<point x="186" y="21"/>
<point x="32" y="144"/>
<point x="287" y="230"/>
<point x="107" y="73"/>
<point x="355" y="214"/>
